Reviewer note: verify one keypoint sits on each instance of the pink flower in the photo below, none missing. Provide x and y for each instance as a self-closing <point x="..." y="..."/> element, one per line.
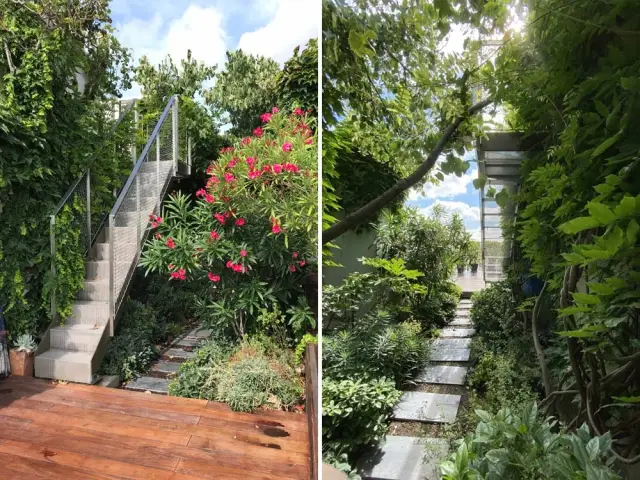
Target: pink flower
<point x="292" y="268"/>
<point x="243" y="253"/>
<point x="275" y="110"/>
<point x="265" y="117"/>
<point x="227" y="214"/>
<point x="295" y="255"/>
<point x="230" y="264"/>
<point x="171" y="266"/>
<point x="232" y="163"/>
<point x="246" y="141"/>
<point x="298" y="111"/>
<point x="151" y="216"/>
<point x="287" y="147"/>
<point x="302" y="263"/>
<point x="229" y="178"/>
<point x="220" y="218"/>
<point x="253" y="174"/>
<point x="209" y="198"/>
<point x="201" y="193"/>
<point x="276" y="228"/>
<point x="213" y="235"/>
<point x="179" y="275"/>
<point x="290" y="167"/>
<point x="277" y="168"/>
<point x="154" y="224"/>
<point x="170" y="243"/>
<point x="257" y="132"/>
<point x="266" y="169"/>
<point x="240" y="222"/>
<point x="308" y="141"/>
<point x="251" y="161"/>
<point x="226" y="150"/>
<point x="213" y="278"/>
<point x="157" y="236"/>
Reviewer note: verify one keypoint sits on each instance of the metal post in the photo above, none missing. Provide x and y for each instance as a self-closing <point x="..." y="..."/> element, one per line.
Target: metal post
<point x="174" y="125"/>
<point x="89" y="237"/>
<point x="134" y="153"/>
<point x="158" y="186"/>
<point x="188" y="155"/>
<point x="112" y="275"/>
<point x="52" y="226"/>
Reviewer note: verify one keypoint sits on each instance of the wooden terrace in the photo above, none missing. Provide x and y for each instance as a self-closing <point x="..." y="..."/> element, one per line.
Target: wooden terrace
<point x="75" y="431"/>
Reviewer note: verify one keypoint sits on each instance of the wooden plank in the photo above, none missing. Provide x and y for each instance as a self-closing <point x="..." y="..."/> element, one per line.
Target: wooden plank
<point x="268" y="430"/>
<point x="205" y="470"/>
<point x="275" y="462"/>
<point x="98" y="425"/>
<point x="58" y="455"/>
<point x="7" y="421"/>
<point x="19" y="468"/>
<point x="31" y="403"/>
<point x="51" y="440"/>
<point x="311" y="392"/>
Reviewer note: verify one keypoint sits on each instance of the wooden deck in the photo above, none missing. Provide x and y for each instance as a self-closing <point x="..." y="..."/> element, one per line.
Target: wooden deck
<point x="75" y="431"/>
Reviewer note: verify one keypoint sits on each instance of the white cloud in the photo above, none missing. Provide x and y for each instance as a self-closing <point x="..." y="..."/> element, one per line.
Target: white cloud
<point x="293" y="24"/>
<point x="466" y="211"/>
<point x="475" y="234"/>
<point x="451" y="186"/>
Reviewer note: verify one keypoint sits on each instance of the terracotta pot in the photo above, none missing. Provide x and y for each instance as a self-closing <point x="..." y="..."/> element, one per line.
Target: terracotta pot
<point x="21" y="363"/>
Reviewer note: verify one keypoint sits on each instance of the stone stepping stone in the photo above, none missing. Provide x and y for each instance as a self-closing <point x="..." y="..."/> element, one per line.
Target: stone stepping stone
<point x="199" y="332"/>
<point x="404" y="458"/>
<point x="447" y="354"/>
<point x="187" y="342"/>
<point x="178" y="354"/>
<point x="150" y="384"/>
<point x="461" y="322"/>
<point x="166" y="367"/>
<point x="451" y="343"/>
<point x="442" y="374"/>
<point x="427" y="407"/>
<point x="449" y="332"/>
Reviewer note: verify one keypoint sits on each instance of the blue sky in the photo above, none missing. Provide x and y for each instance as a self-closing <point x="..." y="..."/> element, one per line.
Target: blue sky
<point x="456" y="194"/>
<point x="209" y="28"/>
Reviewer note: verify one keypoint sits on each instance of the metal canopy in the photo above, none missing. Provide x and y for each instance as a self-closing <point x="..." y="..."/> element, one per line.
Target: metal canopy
<point x="499" y="159"/>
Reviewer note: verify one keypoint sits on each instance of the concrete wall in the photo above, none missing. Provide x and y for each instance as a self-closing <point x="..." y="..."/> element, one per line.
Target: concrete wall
<point x="352" y="247"/>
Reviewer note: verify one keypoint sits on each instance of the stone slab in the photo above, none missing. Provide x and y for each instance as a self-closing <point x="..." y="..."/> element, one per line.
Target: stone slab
<point x="447" y="354"/>
<point x="451" y="343"/>
<point x="442" y="375"/>
<point x="427" y="407"/>
<point x="111" y="381"/>
<point x="178" y="354"/>
<point x="166" y="367"/>
<point x="461" y="322"/>
<point x="458" y="332"/>
<point x="404" y="458"/>
<point x="149" y="384"/>
<point x="199" y="332"/>
<point x="187" y="342"/>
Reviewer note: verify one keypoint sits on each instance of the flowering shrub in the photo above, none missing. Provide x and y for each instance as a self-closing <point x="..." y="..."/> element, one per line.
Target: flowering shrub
<point x="251" y="231"/>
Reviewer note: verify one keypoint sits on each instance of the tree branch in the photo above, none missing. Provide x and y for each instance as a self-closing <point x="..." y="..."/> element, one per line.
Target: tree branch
<point x="377" y="204"/>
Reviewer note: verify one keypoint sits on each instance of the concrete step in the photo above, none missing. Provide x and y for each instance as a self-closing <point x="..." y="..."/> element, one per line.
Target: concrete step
<point x="65" y="365"/>
<point x="96" y="290"/>
<point x="461" y="322"/>
<point x="149" y="384"/>
<point x="457" y="332"/>
<point x="177" y="355"/>
<point x="98" y="270"/>
<point x="78" y="338"/>
<point x="404" y="458"/>
<point x="451" y="343"/>
<point x="427" y="407"/>
<point x="89" y="313"/>
<point x="165" y="368"/>
<point x="100" y="251"/>
<point x="151" y="164"/>
<point x="447" y="354"/>
<point x="442" y="375"/>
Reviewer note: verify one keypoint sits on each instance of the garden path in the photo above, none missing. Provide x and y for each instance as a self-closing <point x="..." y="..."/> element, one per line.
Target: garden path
<point x="416" y="452"/>
<point x="164" y="369"/>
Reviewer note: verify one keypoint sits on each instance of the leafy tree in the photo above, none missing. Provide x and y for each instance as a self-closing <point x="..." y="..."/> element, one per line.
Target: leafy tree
<point x="298" y="81"/>
<point x="385" y="73"/>
<point x="59" y="62"/>
<point x="245" y="89"/>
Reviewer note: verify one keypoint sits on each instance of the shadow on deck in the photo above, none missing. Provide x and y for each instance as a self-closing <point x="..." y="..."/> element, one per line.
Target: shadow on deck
<point x="75" y="431"/>
<point x="470" y="282"/>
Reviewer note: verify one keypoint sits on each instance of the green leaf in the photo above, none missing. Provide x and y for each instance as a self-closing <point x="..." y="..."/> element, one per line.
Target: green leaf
<point x="585" y="298"/>
<point x="480" y="182"/>
<point x="630" y="83"/>
<point x="608" y="143"/>
<point x="601" y="288"/>
<point x="632" y="231"/>
<point x="572" y="310"/>
<point x="586" y="332"/>
<point x="635" y="399"/>
<point x="626" y="207"/>
<point x="601" y="213"/>
<point x="573" y="258"/>
<point x="578" y="225"/>
<point x="602" y="109"/>
<point x="502" y="197"/>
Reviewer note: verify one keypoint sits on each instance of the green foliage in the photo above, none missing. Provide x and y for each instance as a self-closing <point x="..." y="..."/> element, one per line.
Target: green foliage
<point x="493" y="314"/>
<point x="133" y="348"/>
<point x="245" y="89"/>
<point x="297" y="83"/>
<point x="44" y="117"/>
<point x="301" y="348"/>
<point x="355" y="413"/>
<point x="375" y="348"/>
<point x="519" y="445"/>
<point x="25" y="343"/>
<point x="255" y="374"/>
<point x="341" y="463"/>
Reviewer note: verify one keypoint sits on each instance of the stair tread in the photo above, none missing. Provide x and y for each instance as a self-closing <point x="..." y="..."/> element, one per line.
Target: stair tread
<point x="79" y="327"/>
<point x="89" y="302"/>
<point x="66" y="355"/>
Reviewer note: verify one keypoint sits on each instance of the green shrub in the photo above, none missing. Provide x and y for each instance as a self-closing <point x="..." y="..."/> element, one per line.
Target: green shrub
<point x="494" y="315"/>
<point x="133" y="347"/>
<point x="518" y="445"/>
<point x="355" y="413"/>
<point x="438" y="308"/>
<point x="301" y="348"/>
<point x="256" y="373"/>
<point x="376" y="348"/>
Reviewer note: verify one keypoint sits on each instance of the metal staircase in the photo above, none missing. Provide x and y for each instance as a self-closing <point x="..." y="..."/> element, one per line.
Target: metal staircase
<point x="113" y="239"/>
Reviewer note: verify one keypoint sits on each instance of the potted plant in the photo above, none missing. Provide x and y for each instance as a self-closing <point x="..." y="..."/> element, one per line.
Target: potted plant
<point x="475" y="256"/>
<point x="21" y="356"/>
<point x="460" y="269"/>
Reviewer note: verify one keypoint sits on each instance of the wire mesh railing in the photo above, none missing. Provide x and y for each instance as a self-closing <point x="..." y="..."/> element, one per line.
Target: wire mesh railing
<point x="78" y="217"/>
<point x="139" y="200"/>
